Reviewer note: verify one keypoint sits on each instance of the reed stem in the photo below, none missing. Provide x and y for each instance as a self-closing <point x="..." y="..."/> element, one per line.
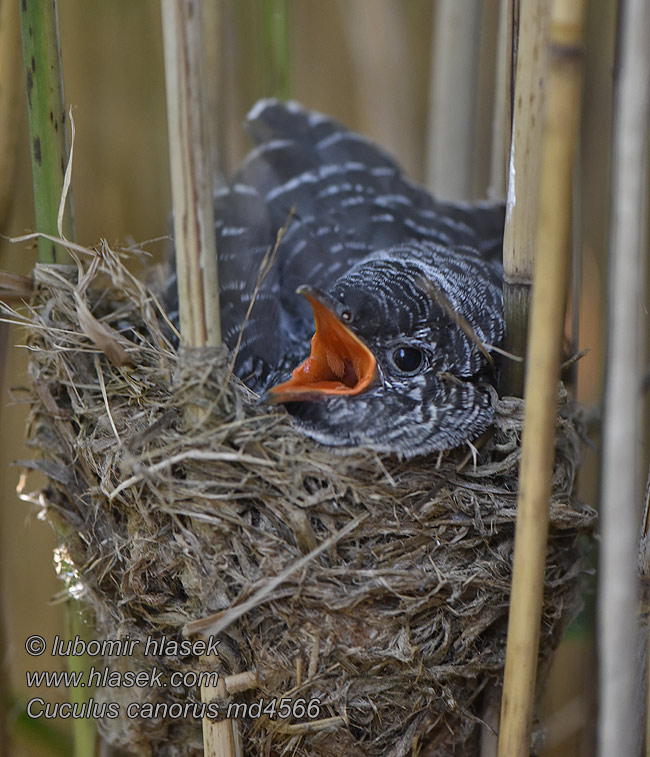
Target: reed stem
<point x="49" y="157"/>
<point x="191" y="175"/>
<point x="501" y="119"/>
<point x="621" y="488"/>
<point x="453" y="99"/>
<point x="194" y="230"/>
<point x="275" y="43"/>
<point x="85" y="735"/>
<point x="521" y="208"/>
<point x="47" y="123"/>
<point x="551" y="275"/>
<point x="10" y="102"/>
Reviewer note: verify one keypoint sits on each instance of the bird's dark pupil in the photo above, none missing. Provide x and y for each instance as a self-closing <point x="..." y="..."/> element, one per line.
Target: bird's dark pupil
<point x="407" y="359"/>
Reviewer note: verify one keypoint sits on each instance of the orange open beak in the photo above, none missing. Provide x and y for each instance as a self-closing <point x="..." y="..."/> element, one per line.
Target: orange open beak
<point x="339" y="364"/>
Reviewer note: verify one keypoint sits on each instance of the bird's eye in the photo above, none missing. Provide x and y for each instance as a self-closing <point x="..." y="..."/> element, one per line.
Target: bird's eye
<point x="408" y="359"/>
<point x="346" y="316"/>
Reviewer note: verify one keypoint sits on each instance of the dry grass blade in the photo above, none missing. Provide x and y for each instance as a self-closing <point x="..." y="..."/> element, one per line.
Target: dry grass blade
<point x="267" y="263"/>
<point x="214" y="624"/>
<point x="455" y="317"/>
<point x="106" y="338"/>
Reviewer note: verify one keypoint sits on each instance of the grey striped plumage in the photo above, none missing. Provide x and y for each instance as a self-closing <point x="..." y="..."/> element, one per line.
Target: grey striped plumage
<point x="407" y="270"/>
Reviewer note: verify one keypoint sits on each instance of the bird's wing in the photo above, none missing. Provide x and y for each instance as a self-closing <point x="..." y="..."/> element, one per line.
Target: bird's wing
<point x="339" y="197"/>
<point x="350" y="197"/>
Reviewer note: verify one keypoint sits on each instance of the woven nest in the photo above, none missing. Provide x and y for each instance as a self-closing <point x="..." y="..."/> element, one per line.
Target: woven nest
<point x="378" y="587"/>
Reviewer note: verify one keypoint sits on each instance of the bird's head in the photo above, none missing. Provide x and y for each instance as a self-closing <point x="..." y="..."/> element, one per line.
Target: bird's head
<point x="389" y="367"/>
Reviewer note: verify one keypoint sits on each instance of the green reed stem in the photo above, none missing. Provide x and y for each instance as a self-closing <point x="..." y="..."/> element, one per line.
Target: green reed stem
<point x="47" y="122"/>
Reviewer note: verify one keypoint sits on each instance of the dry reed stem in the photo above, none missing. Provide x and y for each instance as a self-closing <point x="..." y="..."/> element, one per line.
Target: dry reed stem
<point x="490" y="722"/>
<point x="512" y="36"/>
<point x="224" y="741"/>
<point x="484" y="109"/>
<point x="382" y="61"/>
<point x="196" y="254"/>
<point x="219" y="739"/>
<point x="453" y="99"/>
<point x="501" y="125"/>
<point x="643" y="636"/>
<point x="561" y="116"/>
<point x="521" y="209"/>
<point x="196" y="260"/>
<point x="240" y="682"/>
<point x="619" y="723"/>
<point x="213" y="67"/>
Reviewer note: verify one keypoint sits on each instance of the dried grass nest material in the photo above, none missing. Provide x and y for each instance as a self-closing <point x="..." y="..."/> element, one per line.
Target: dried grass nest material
<point x="177" y="497"/>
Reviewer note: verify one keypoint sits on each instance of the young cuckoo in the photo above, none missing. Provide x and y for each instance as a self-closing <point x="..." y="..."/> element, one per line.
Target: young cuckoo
<point x="405" y="291"/>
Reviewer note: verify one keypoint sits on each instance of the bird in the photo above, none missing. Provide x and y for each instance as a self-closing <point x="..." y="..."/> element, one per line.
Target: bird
<point x="350" y="295"/>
